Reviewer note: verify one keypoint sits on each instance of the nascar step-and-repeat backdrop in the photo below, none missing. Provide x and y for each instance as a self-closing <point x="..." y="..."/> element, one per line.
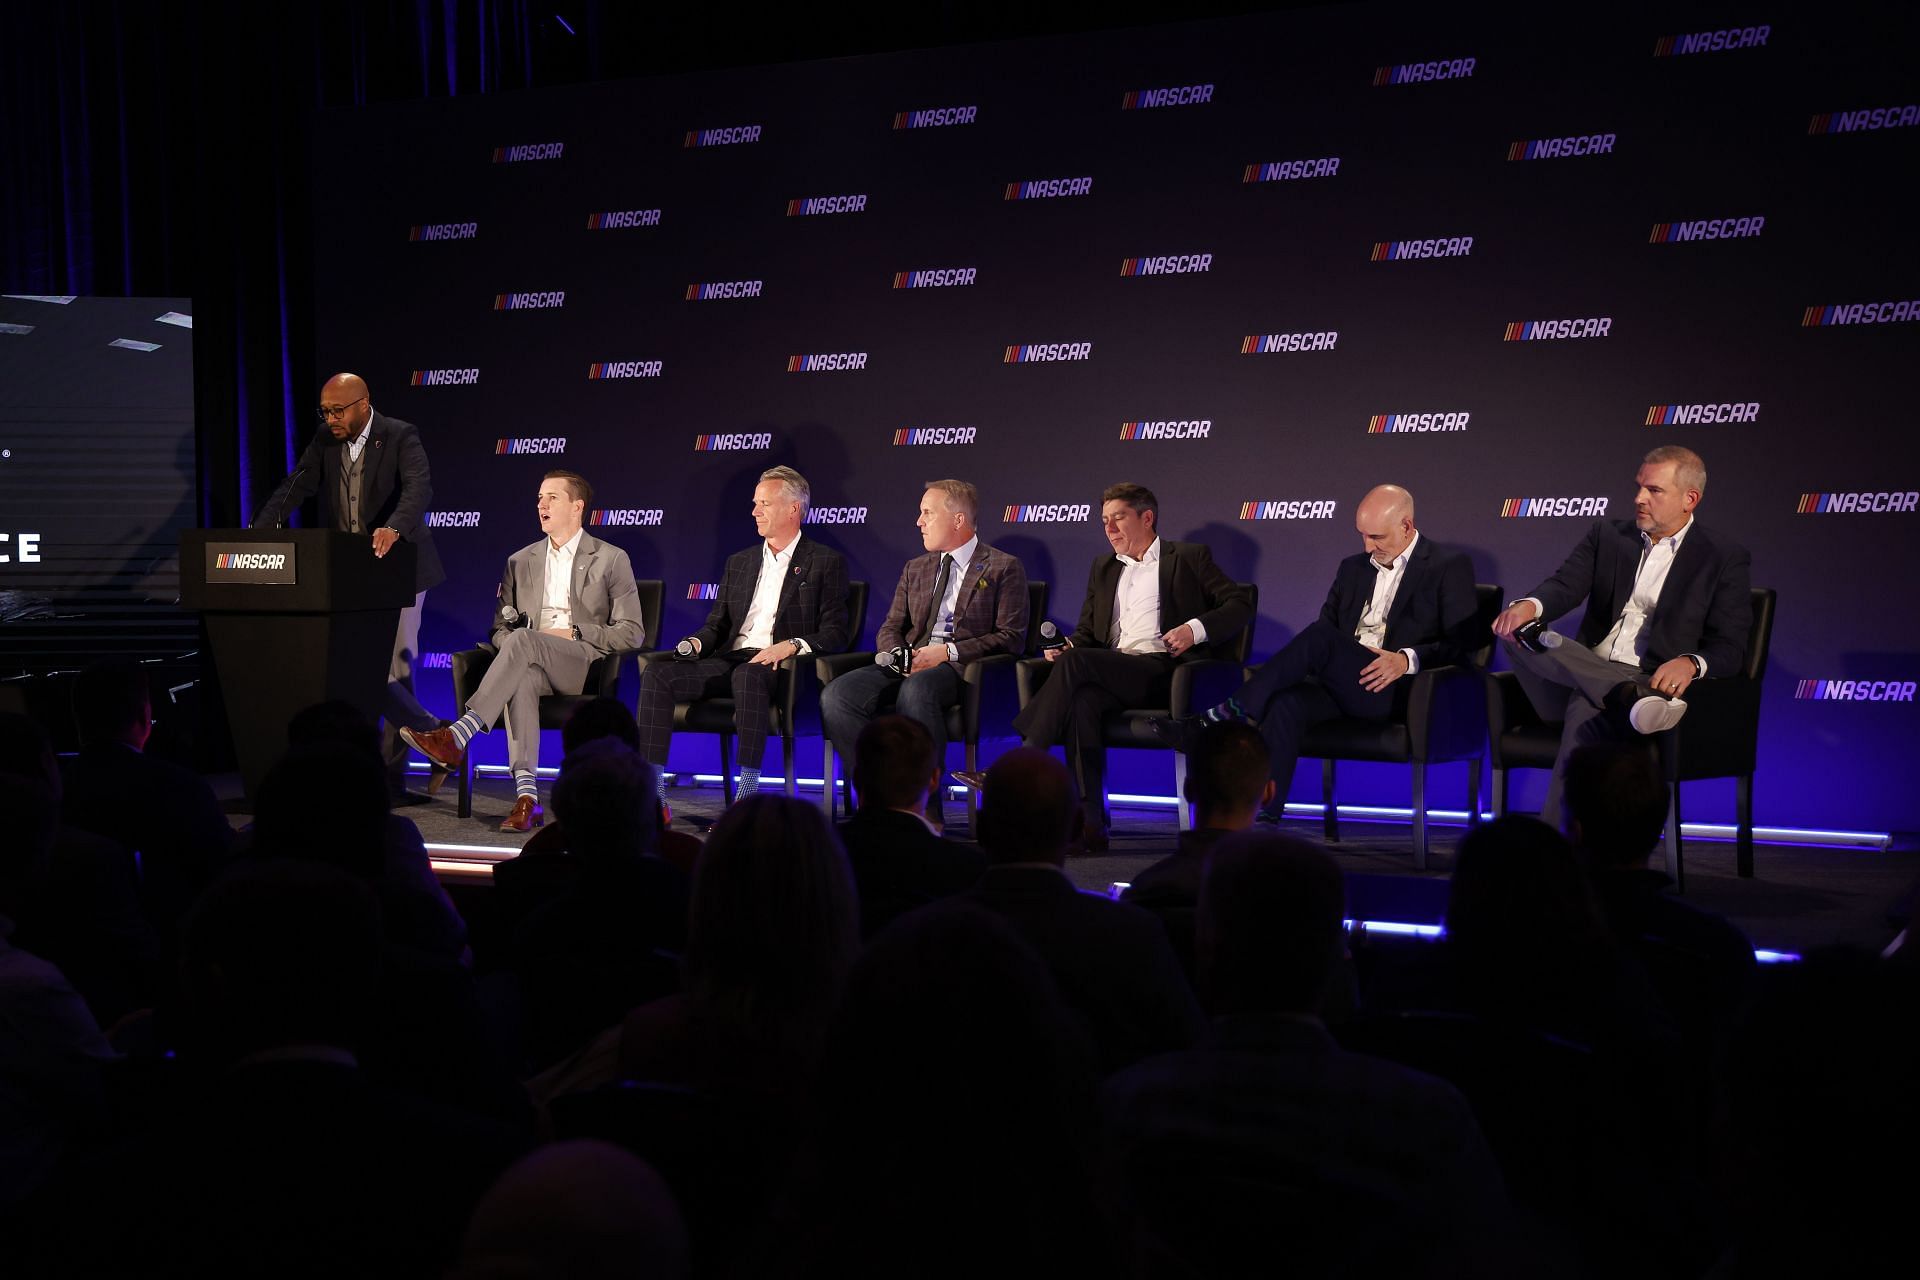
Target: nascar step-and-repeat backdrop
<point x="1258" y="264"/>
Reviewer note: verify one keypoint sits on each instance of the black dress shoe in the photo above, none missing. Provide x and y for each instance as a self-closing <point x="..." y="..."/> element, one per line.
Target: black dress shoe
<point x="1180" y="733"/>
<point x="1532" y="636"/>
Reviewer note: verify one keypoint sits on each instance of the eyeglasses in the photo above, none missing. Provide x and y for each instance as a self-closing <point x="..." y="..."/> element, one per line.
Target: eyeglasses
<point x="329" y="412"/>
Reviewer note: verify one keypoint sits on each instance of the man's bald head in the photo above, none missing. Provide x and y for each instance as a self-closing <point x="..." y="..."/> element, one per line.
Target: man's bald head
<point x="1384" y="521"/>
<point x="345" y="405"/>
<point x="1027" y="812"/>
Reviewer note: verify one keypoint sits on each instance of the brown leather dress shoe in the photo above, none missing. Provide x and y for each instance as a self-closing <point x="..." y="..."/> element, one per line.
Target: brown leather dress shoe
<point x="436" y="745"/>
<point x="525" y="815"/>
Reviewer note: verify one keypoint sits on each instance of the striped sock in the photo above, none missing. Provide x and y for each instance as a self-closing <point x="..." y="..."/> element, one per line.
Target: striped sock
<point x="660" y="785"/>
<point x="524" y="785"/>
<point x="464" y="728"/>
<point x="1228" y="710"/>
<point x="749" y="783"/>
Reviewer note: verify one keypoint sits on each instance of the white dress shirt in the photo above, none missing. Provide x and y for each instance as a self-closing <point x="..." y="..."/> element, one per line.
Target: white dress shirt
<point x="1387" y="578"/>
<point x="1627" y="641"/>
<point x="356" y="445"/>
<point x="756" y="629"/>
<point x="556" y="605"/>
<point x="1136" y="606"/>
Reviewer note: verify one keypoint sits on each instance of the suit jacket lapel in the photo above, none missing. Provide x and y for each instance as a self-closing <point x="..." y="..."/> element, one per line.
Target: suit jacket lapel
<point x="370" y="457"/>
<point x="536" y="574"/>
<point x="790" y="584"/>
<point x="1105" y="591"/>
<point x="973" y="571"/>
<point x="1165" y="578"/>
<point x="1409" y="585"/>
<point x="1624" y="573"/>
<point x="582" y="561"/>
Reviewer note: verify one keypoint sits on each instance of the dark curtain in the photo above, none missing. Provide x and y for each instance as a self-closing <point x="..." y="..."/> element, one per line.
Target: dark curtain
<point x="164" y="149"/>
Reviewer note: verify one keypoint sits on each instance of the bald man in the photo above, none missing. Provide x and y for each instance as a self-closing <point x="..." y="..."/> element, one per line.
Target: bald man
<point x="1405" y="603"/>
<point x="371" y="474"/>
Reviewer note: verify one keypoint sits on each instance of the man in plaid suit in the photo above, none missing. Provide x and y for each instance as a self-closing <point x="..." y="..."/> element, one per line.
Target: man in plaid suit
<point x="958" y="603"/>
<point x="782" y="598"/>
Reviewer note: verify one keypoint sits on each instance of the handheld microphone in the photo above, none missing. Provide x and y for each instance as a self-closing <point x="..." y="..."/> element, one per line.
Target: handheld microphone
<point x="685" y="650"/>
<point x="511" y="617"/>
<point x="898" y="659"/>
<point x="1050" y="637"/>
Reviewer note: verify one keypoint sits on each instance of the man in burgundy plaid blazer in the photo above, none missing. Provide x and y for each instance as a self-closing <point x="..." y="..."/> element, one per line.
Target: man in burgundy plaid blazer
<point x="784" y="597"/>
<point x="960" y="602"/>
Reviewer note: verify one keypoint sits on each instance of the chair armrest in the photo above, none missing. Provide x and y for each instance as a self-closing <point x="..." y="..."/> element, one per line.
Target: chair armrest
<point x="1447" y="714"/>
<point x="1029" y="675"/>
<point x="1203" y="683"/>
<point x="828" y="666"/>
<point x="469" y="668"/>
<point x="1721" y="733"/>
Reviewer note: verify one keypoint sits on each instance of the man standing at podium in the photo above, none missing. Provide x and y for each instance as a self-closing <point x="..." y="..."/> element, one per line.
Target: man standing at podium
<point x="371" y="474"/>
<point x="565" y="602"/>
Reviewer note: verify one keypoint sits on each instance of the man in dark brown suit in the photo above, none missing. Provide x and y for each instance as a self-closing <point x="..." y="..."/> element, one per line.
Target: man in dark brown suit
<point x="958" y="603"/>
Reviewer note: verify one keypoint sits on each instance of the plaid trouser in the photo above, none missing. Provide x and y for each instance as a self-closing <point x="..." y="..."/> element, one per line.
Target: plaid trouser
<point x="752" y="688"/>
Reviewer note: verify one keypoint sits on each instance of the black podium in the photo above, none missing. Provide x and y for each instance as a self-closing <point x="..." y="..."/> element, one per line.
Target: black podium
<point x="294" y="617"/>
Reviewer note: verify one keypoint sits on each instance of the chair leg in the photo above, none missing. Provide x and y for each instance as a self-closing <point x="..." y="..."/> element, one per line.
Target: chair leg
<point x="726" y="766"/>
<point x="1183" y="812"/>
<point x="973" y="803"/>
<point x="786" y="765"/>
<point x="827" y="774"/>
<point x="1329" y="812"/>
<point x="1419" y="815"/>
<point x="1499" y="792"/>
<point x="1743" y="814"/>
<point x="1673" y="839"/>
<point x="466" y="783"/>
<point x="1473" y="792"/>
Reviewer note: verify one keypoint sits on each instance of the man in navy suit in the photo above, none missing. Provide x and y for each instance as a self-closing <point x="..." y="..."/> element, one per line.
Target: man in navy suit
<point x="1150" y="605"/>
<point x="372" y="477"/>
<point x="1402" y="605"/>
<point x="1667" y="602"/>
<point x="780" y="599"/>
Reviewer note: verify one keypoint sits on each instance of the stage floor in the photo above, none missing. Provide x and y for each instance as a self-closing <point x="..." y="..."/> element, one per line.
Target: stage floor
<point x="1800" y="897"/>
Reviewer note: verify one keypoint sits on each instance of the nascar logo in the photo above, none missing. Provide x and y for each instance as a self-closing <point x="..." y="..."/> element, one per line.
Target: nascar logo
<point x="703" y="591"/>
<point x="248" y="560"/>
<point x="934" y="435"/>
<point x="1259" y="344"/>
<point x="732" y="137"/>
<point x="1387" y="423"/>
<point x="547" y="444"/>
<point x="444" y="378"/>
<point x="935" y="117"/>
<point x="625" y="369"/>
<point x="1047" y="512"/>
<point x="1320" y="509"/>
<point x="1420" y="72"/>
<point x="1821" y="504"/>
<point x="1855" y="690"/>
<point x="1185" y="96"/>
<point x="827" y="362"/>
<point x="444" y="231"/>
<point x="733" y="440"/>
<point x="1523" y="508"/>
<point x="640" y="516"/>
<point x="533" y="151"/>
<point x="1040" y="352"/>
<point x="1860" y="313"/>
<point x="1549" y="330"/>
<point x="1680" y="415"/>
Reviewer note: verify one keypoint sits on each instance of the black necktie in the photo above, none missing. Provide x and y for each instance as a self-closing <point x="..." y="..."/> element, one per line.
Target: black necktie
<point x="939" y="595"/>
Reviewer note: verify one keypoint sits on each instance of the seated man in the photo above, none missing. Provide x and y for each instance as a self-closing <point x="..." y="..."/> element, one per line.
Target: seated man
<point x="960" y="602"/>
<point x="1153" y="603"/>
<point x="1701" y="965"/>
<point x="783" y="597"/>
<point x="898" y="862"/>
<point x="1112" y="962"/>
<point x="566" y="601"/>
<point x="1667" y="600"/>
<point x="1403" y="604"/>
<point x="1228" y="783"/>
<point x="1267" y="1126"/>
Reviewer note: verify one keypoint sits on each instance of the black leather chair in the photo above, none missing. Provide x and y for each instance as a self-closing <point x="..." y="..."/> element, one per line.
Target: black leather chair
<point x="964" y="720"/>
<point x="1200" y="683"/>
<point x="603" y="681"/>
<point x="1439" y="717"/>
<point x="795" y="715"/>
<point x="1719" y="738"/>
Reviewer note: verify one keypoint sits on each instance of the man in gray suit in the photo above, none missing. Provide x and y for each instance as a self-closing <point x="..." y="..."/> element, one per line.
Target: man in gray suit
<point x="565" y="601"/>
